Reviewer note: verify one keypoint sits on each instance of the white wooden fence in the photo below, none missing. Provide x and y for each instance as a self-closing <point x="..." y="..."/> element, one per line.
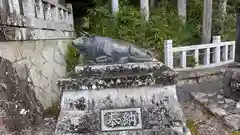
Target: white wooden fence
<point x="205" y="55"/>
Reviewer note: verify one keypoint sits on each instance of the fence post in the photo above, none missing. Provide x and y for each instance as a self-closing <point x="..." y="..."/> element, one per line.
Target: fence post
<point x="168" y="54"/>
<point x="10" y="4"/>
<point x="225" y="53"/>
<point x="16" y="7"/>
<point x="39" y="9"/>
<point x="56" y="16"/>
<point x="70" y="15"/>
<point x="29" y="8"/>
<point x="183" y="60"/>
<point x="61" y="13"/>
<point x="196" y="56"/>
<point x="207" y="56"/>
<point x="233" y="50"/>
<point x="115" y="7"/>
<point x="217" y="56"/>
<point x="66" y="17"/>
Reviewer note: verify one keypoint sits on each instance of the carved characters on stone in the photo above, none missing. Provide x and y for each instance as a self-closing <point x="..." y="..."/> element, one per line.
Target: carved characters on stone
<point x="78" y="104"/>
<point x="121" y="119"/>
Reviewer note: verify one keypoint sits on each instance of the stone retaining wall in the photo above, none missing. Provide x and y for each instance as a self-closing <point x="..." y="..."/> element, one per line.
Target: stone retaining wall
<point x="43" y="61"/>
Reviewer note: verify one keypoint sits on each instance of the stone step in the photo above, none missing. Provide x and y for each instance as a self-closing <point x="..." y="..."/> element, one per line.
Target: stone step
<point x="118" y="76"/>
<point x="114" y="82"/>
<point x="123" y="69"/>
<point x="144" y="65"/>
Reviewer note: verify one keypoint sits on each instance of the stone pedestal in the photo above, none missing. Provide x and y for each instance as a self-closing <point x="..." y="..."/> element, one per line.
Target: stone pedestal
<point x="131" y="98"/>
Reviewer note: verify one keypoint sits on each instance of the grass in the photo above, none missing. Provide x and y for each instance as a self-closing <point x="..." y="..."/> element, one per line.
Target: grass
<point x="52" y="111"/>
<point x="72" y="57"/>
<point x="192" y="127"/>
<point x="235" y="133"/>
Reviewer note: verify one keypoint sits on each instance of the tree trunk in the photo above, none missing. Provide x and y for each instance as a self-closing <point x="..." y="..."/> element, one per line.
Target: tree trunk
<point x="144" y="4"/>
<point x="223" y="13"/>
<point x="224" y="6"/>
<point x="153" y="3"/>
<point x="115" y="7"/>
<point x="207" y="22"/>
<point x="182" y="9"/>
<point x="237" y="49"/>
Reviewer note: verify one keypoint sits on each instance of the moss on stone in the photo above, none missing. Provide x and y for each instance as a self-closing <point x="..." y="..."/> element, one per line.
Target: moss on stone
<point x="192" y="127"/>
<point x="52" y="111"/>
<point x="72" y="57"/>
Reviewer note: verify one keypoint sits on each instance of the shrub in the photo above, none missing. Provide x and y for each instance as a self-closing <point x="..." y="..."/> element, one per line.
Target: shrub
<point x="52" y="111"/>
<point x="129" y="26"/>
<point x="164" y="24"/>
<point x="191" y="62"/>
<point x="192" y="127"/>
<point x="235" y="133"/>
<point x="72" y="58"/>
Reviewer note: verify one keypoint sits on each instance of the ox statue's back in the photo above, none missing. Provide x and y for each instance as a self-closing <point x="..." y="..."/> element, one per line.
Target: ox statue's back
<point x="106" y="50"/>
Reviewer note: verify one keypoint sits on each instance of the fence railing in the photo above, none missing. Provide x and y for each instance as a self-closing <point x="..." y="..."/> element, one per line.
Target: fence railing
<point x="35" y="19"/>
<point x="199" y="56"/>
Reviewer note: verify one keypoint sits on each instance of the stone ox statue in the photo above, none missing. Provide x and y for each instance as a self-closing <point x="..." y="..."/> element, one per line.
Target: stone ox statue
<point x="107" y="50"/>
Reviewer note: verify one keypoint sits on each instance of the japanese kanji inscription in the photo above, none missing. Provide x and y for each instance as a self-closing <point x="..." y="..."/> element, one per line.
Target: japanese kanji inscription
<point x="121" y="119"/>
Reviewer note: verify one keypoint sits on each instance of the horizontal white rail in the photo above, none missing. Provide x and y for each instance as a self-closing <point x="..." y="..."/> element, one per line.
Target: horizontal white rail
<point x="201" y="46"/>
<point x="199" y="56"/>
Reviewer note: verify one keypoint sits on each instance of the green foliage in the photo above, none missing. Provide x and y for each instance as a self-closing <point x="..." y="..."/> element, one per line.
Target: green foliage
<point x="191" y="62"/>
<point x="194" y="20"/>
<point x="192" y="127"/>
<point x="229" y="28"/>
<point x="164" y="23"/>
<point x="235" y="133"/>
<point x="224" y="23"/>
<point x="52" y="111"/>
<point x="129" y="26"/>
<point x="72" y="58"/>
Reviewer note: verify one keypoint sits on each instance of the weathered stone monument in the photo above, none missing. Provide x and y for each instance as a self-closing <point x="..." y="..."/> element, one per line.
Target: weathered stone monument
<point x="136" y="98"/>
<point x="121" y="99"/>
